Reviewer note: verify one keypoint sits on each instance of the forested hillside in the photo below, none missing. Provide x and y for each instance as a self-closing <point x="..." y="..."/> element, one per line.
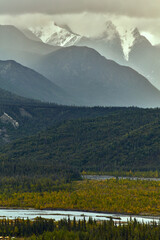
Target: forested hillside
<point x="34" y="116"/>
<point x="124" y="139"/>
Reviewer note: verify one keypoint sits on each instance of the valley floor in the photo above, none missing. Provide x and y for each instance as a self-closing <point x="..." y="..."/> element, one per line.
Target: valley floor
<point x="112" y="195"/>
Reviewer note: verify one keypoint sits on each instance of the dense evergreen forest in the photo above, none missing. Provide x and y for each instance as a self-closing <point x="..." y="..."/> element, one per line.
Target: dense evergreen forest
<point x="42" y="229"/>
<point x="52" y="138"/>
<point x="34" y="116"/>
<point x="124" y="139"/>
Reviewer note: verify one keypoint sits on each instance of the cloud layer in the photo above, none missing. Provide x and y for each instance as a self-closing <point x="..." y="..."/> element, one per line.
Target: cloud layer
<point x="86" y="17"/>
<point x="137" y="8"/>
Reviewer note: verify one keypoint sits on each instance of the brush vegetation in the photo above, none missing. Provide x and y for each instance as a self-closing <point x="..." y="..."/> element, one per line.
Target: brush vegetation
<point x="114" y="195"/>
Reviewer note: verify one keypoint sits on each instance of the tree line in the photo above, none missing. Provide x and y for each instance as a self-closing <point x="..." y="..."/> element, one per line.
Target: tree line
<point x="43" y="229"/>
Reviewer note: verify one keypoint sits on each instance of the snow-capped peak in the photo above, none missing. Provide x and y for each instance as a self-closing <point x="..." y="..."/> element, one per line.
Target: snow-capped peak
<point x="55" y="35"/>
<point x="128" y="38"/>
<point x="43" y="32"/>
<point x="63" y="36"/>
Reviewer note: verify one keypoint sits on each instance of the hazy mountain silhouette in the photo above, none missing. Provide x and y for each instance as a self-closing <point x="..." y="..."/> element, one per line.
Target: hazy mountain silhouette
<point x="14" y="45"/>
<point x="93" y="80"/>
<point x="28" y="83"/>
<point x="146" y="59"/>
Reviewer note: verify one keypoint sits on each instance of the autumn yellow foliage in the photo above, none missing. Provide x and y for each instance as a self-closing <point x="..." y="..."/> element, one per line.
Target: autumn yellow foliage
<point x="114" y="195"/>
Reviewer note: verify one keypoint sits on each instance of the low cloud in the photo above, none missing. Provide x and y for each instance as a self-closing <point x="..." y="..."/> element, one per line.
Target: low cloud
<point x="137" y="8"/>
<point x="86" y="17"/>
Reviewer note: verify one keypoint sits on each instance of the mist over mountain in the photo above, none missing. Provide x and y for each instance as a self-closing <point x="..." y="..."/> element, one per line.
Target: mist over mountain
<point x="127" y="47"/>
<point x="8" y="98"/>
<point x="93" y="80"/>
<point x="79" y="75"/>
<point x="56" y="35"/>
<point x="107" y="44"/>
<point x="29" y="34"/>
<point x="14" y="45"/>
<point x="28" y="83"/>
<point x="145" y="58"/>
<point x="13" y="38"/>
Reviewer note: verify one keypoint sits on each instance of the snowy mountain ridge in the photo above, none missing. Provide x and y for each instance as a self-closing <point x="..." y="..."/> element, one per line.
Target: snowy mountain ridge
<point x="62" y="36"/>
<point x="55" y="35"/>
<point x="128" y="38"/>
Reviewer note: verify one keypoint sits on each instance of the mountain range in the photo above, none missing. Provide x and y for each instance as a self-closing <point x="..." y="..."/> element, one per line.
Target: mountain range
<point x="107" y="44"/>
<point x="126" y="47"/>
<point x="39" y="138"/>
<point x="93" y="80"/>
<point x="112" y="43"/>
<point x="75" y="75"/>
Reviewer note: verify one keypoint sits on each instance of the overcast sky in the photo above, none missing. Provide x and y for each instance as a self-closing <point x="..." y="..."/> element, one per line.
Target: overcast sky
<point x="84" y="15"/>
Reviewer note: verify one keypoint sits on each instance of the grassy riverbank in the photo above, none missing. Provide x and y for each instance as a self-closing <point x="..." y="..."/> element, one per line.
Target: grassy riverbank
<point x="123" y="196"/>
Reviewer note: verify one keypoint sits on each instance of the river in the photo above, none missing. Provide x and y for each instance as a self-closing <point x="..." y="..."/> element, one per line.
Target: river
<point x="60" y="214"/>
<point x="79" y="215"/>
<point x="105" y="177"/>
